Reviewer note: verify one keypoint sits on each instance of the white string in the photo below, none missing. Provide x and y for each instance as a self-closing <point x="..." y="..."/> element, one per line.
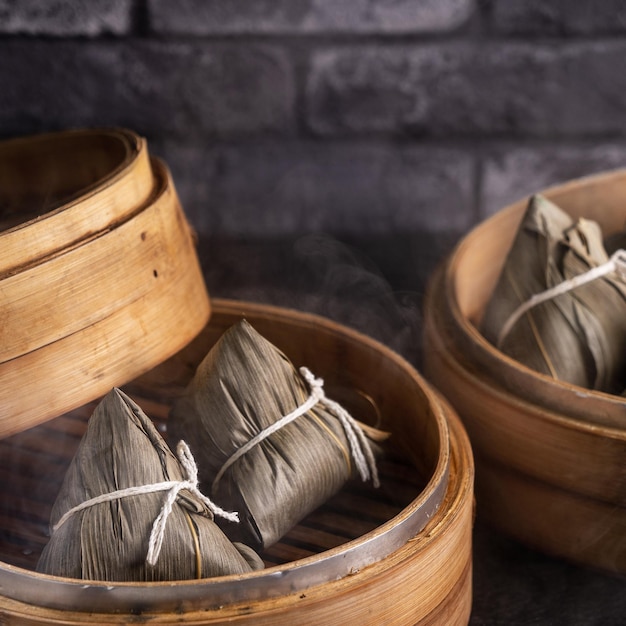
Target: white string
<point x="173" y="487"/>
<point x="616" y="263"/>
<point x="359" y="444"/>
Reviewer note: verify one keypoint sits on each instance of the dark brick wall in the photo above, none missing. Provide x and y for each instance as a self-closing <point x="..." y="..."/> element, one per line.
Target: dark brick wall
<point x="356" y="118"/>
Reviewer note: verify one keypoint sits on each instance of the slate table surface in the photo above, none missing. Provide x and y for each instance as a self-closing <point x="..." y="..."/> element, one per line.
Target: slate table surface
<point x="378" y="287"/>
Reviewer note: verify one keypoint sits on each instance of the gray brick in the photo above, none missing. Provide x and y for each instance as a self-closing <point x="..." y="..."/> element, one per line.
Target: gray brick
<point x="204" y="89"/>
<point x="559" y="17"/>
<point x="467" y="89"/>
<point x="65" y="17"/>
<point x="199" y="17"/>
<point x="514" y="173"/>
<point x="286" y="188"/>
<point x="194" y="170"/>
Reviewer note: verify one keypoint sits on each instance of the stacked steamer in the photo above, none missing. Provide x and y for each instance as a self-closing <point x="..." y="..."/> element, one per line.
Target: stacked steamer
<point x="97" y="264"/>
<point x="114" y="276"/>
<point x="549" y="454"/>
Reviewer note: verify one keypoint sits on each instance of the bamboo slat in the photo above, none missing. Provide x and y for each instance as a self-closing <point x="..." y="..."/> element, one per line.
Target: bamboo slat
<point x="560" y="523"/>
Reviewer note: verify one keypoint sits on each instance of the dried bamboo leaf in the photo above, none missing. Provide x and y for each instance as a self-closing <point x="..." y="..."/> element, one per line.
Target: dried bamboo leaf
<point x="109" y="541"/>
<point x="571" y="337"/>
<point x="242" y="387"/>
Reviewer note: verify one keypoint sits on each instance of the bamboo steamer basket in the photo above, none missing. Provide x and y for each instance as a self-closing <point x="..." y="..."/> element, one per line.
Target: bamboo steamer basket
<point x="470" y="277"/>
<point x="549" y="455"/>
<point x="90" y="303"/>
<point x="400" y="554"/>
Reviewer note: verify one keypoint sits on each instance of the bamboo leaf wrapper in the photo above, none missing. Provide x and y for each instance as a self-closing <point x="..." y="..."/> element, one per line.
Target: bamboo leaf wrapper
<point x="579" y="336"/>
<point x="242" y="387"/>
<point x="109" y="541"/>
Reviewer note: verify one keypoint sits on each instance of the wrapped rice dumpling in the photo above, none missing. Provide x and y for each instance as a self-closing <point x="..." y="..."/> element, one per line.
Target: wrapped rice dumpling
<point x="578" y="336"/>
<point x="117" y="539"/>
<point x="273" y="473"/>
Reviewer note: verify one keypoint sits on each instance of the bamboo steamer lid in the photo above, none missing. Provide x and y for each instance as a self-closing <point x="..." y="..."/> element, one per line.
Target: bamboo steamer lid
<point x="549" y="454"/>
<point x="57" y="189"/>
<point x="94" y="285"/>
<point x="412" y="568"/>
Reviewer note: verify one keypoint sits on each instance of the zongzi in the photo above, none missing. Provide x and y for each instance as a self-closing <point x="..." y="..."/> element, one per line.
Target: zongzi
<point x="578" y="336"/>
<point x="129" y="510"/>
<point x="270" y="444"/>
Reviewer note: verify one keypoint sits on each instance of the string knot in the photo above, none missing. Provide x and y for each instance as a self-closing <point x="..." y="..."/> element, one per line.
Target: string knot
<point x="359" y="445"/>
<point x="173" y="488"/>
<point x="315" y="384"/>
<point x="191" y="484"/>
<point x="619" y="259"/>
